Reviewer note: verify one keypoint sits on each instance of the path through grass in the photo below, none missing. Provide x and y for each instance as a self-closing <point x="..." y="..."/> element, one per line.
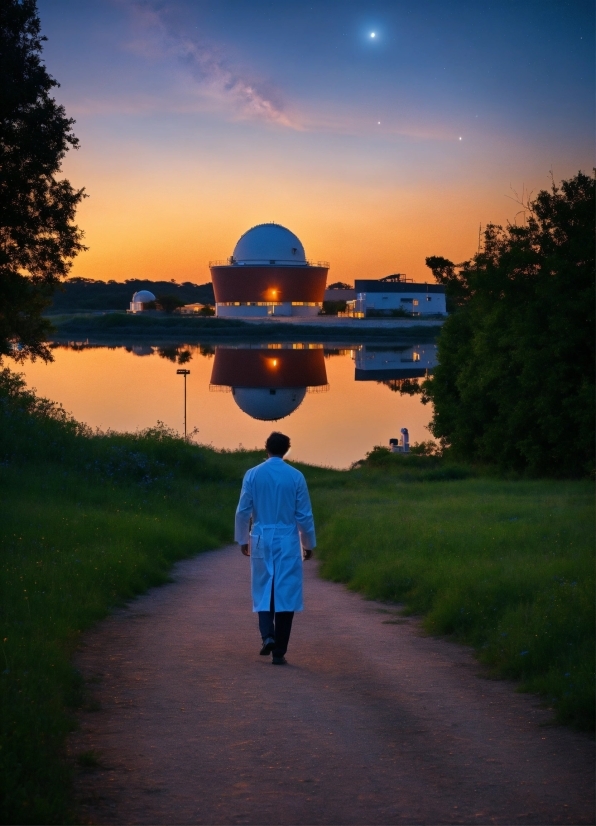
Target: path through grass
<point x="506" y="566"/>
<point x="89" y="520"/>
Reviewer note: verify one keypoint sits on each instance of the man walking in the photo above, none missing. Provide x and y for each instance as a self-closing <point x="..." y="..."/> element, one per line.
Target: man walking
<point x="275" y="496"/>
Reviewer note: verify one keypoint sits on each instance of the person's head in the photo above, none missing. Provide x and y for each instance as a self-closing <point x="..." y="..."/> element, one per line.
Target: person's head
<point x="277" y="444"/>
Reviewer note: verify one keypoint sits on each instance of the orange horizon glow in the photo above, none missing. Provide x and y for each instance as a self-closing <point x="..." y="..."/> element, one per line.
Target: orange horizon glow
<point x="144" y="224"/>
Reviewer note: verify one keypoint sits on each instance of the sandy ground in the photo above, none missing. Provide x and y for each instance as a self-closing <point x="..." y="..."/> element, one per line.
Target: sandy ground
<point x="370" y="723"/>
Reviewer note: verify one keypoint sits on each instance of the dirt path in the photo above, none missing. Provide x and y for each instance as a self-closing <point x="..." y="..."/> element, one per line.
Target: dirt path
<point x="370" y="723"/>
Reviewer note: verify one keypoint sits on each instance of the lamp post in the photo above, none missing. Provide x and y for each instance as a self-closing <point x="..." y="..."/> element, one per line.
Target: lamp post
<point x="184" y="373"/>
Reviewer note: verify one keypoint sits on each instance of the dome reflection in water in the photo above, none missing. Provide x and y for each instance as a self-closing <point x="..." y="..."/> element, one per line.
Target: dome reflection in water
<point x="269" y="382"/>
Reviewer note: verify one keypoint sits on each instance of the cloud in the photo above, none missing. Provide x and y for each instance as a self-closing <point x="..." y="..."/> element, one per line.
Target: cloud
<point x="214" y="78"/>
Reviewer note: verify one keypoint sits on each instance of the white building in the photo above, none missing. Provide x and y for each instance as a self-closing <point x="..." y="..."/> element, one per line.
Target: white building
<point x="384" y="296"/>
<point x="139" y="299"/>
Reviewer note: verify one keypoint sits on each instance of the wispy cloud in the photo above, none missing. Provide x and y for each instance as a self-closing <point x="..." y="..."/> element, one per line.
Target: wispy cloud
<point x="158" y="35"/>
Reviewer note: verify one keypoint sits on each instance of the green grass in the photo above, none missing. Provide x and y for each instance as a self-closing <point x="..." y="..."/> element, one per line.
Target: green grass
<point x="72" y="548"/>
<point x="121" y="326"/>
<point x="87" y="521"/>
<point x="504" y="565"/>
<point x="90" y="520"/>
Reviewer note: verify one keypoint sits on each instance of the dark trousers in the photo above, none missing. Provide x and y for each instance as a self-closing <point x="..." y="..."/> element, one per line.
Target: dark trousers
<point x="276" y="624"/>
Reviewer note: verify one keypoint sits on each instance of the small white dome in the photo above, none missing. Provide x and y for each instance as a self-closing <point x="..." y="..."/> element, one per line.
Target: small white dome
<point x="143" y="297"/>
<point x="268" y="405"/>
<point x="269" y="244"/>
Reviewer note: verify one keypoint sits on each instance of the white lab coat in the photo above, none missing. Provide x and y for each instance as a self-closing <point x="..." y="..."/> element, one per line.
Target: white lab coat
<point x="275" y="495"/>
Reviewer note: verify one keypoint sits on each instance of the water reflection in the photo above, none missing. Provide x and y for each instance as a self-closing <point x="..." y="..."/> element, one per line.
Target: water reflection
<point x="269" y="382"/>
<point x="331" y="397"/>
<point x="382" y="363"/>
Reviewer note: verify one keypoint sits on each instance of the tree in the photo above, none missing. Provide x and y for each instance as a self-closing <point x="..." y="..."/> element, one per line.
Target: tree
<point x="515" y="380"/>
<point x="168" y="303"/>
<point x="333" y="307"/>
<point x="38" y="237"/>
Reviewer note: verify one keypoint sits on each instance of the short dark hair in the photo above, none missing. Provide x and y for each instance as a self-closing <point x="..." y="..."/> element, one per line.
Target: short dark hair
<point x="277" y="444"/>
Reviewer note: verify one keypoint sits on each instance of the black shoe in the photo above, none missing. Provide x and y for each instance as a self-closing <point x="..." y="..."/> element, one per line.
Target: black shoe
<point x="279" y="661"/>
<point x="268" y="645"/>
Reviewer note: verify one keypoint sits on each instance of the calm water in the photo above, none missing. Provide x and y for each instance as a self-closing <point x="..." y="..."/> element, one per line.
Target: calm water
<point x="334" y="403"/>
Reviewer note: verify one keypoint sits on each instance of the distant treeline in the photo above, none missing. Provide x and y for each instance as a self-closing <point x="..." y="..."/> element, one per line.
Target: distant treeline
<point x="86" y="294"/>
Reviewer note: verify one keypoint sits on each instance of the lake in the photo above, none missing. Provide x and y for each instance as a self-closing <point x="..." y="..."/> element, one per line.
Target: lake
<point x="335" y="402"/>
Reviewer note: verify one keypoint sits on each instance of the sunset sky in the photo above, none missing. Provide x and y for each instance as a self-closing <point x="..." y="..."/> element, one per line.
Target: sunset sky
<point x="200" y="119"/>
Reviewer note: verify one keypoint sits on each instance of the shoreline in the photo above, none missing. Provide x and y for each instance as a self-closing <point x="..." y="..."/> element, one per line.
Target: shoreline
<point x="111" y="327"/>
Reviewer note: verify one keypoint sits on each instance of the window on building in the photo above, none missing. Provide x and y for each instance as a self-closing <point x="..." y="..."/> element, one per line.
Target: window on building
<point x="429" y="298"/>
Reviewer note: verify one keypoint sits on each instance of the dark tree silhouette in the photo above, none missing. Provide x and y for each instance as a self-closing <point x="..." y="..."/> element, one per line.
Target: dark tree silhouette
<point x="515" y="381"/>
<point x="38" y="237"/>
<point x="168" y="303"/>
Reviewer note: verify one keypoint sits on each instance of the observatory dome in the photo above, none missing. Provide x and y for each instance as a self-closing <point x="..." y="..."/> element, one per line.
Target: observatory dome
<point x="143" y="297"/>
<point x="268" y="405"/>
<point x="269" y="244"/>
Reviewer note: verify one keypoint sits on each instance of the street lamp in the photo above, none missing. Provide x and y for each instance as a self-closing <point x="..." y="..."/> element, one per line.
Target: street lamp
<point x="184" y="373"/>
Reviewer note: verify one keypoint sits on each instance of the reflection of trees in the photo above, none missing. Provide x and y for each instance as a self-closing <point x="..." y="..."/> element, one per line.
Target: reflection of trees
<point x="175" y="354"/>
<point x="207" y="350"/>
<point x="407" y="387"/>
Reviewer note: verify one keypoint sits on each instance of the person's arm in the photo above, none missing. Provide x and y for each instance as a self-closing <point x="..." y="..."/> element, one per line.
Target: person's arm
<point x="243" y="514"/>
<point x="304" y="518"/>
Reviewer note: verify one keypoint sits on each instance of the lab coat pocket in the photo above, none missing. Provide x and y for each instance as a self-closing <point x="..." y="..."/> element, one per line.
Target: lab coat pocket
<point x="257" y="546"/>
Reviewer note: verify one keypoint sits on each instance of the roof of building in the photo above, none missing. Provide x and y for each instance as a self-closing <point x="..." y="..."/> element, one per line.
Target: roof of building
<point x="269" y="244"/>
<point x="378" y="286"/>
<point x="143" y="297"/>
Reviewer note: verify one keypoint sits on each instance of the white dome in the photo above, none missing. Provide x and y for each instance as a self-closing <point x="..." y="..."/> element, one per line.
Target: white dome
<point x="268" y="405"/>
<point x="143" y="297"/>
<point x="269" y="244"/>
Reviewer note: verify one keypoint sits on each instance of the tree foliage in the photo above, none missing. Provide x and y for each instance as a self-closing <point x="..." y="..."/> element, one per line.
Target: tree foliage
<point x="84" y="294"/>
<point x="515" y="381"/>
<point x="168" y="303"/>
<point x="38" y="237"/>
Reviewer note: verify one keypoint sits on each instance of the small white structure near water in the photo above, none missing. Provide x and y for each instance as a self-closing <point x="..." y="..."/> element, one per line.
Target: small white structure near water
<point x="139" y="299"/>
<point x="401" y="445"/>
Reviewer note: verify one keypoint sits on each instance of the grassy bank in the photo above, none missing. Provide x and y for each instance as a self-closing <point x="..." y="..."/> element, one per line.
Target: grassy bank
<point x="87" y="521"/>
<point x="142" y="327"/>
<point x="71" y="549"/>
<point x="90" y="520"/>
<point x="505" y="566"/>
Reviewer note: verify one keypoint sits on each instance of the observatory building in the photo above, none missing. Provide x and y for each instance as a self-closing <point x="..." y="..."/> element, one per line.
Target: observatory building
<point x="269" y="383"/>
<point x="139" y="301"/>
<point x="268" y="274"/>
